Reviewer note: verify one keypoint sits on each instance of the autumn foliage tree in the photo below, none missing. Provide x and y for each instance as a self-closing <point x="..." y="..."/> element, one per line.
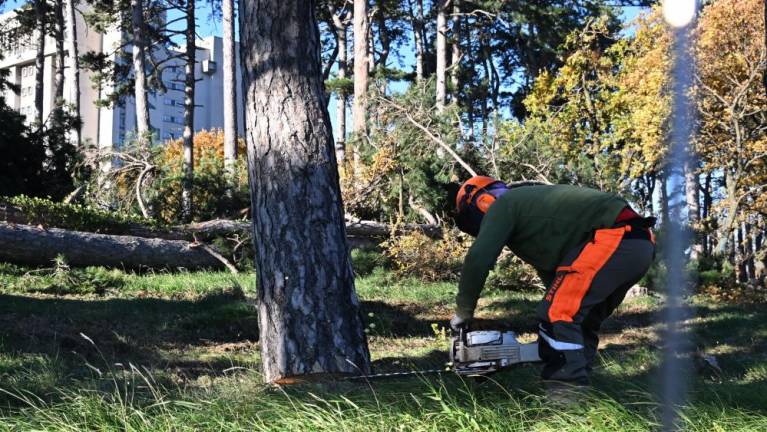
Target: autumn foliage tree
<point x="732" y="105"/>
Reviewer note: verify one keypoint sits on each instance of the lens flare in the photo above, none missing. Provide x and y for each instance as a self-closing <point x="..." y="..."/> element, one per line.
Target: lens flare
<point x="678" y="13"/>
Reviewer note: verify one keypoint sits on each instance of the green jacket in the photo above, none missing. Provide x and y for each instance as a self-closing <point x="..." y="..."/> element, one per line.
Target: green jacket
<point x="539" y="224"/>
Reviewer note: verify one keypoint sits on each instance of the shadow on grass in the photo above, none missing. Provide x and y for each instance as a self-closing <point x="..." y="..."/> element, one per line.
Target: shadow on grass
<point x="145" y="330"/>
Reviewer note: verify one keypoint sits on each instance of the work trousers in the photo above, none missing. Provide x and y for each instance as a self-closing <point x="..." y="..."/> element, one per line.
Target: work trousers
<point x="591" y="281"/>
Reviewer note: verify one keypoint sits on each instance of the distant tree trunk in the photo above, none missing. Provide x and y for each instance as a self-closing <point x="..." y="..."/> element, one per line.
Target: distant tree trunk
<point x="58" y="79"/>
<point x="692" y="196"/>
<point x="455" y="57"/>
<point x="143" y="126"/>
<point x="441" y="52"/>
<point x="230" y="91"/>
<point x="309" y="314"/>
<point x="740" y="255"/>
<point x="73" y="71"/>
<point x="730" y="203"/>
<point x="383" y="35"/>
<point x="188" y="134"/>
<point x="341" y="25"/>
<point x="359" y="109"/>
<point x="664" y="212"/>
<point x="749" y="248"/>
<point x="706" y="211"/>
<point x="416" y="21"/>
<point x="40" y="7"/>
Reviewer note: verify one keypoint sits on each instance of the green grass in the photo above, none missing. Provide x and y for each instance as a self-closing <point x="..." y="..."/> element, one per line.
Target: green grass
<point x="98" y="349"/>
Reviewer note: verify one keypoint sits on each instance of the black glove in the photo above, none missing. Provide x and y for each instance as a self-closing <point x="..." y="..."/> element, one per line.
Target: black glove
<point x="457" y="323"/>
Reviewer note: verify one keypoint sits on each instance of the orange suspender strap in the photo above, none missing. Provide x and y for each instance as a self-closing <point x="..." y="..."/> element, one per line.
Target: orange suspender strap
<point x="568" y="296"/>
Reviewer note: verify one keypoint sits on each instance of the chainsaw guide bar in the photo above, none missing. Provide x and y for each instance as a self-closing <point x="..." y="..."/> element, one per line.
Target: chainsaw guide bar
<point x="476" y="353"/>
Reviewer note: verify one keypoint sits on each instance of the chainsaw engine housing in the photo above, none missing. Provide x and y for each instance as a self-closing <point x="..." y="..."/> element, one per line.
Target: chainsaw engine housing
<point x="485" y="351"/>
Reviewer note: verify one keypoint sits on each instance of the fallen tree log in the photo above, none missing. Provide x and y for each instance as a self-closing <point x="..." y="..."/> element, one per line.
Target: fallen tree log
<point x="356" y="230"/>
<point x="224" y="227"/>
<point x="29" y="245"/>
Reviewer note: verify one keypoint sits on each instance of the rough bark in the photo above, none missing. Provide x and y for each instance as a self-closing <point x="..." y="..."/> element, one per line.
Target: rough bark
<point x="40" y="7"/>
<point x="309" y="314"/>
<point x="359" y="109"/>
<point x="188" y="134"/>
<point x="230" y="90"/>
<point x="143" y="126"/>
<point x="29" y="245"/>
<point x="73" y="70"/>
<point x="441" y="53"/>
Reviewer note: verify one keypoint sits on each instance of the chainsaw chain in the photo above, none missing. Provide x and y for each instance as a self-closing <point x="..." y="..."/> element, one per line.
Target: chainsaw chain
<point x="398" y="374"/>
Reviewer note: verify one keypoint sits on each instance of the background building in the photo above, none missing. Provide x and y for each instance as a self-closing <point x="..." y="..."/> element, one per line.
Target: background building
<point x="110" y="126"/>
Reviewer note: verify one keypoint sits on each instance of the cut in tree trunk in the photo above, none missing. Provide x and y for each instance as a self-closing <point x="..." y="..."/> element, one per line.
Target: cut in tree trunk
<point x="143" y="127"/>
<point x="230" y="91"/>
<point x="29" y="245"/>
<point x="188" y="134"/>
<point x="73" y="70"/>
<point x="441" y="53"/>
<point x="309" y="314"/>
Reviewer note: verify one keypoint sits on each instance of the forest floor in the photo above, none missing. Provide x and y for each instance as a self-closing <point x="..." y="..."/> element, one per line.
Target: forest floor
<point x="101" y="349"/>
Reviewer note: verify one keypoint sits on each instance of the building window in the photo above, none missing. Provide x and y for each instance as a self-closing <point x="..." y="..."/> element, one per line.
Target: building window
<point x="170" y="102"/>
<point x="169" y="119"/>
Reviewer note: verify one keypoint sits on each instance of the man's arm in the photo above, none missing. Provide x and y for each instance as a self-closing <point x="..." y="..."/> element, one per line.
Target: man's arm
<point x="496" y="227"/>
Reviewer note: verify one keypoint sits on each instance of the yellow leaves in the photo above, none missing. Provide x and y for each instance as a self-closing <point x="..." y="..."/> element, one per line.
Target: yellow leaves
<point x="415" y="254"/>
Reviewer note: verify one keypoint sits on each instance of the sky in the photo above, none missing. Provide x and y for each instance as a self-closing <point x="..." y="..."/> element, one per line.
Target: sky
<point x="208" y="25"/>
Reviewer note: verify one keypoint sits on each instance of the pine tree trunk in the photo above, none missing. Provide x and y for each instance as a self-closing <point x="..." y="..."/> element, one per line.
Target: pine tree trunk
<point x="230" y="91"/>
<point x="309" y="314"/>
<point x="188" y="134"/>
<point x="143" y="127"/>
<point x="40" y="7"/>
<point x="73" y="70"/>
<point x="441" y="52"/>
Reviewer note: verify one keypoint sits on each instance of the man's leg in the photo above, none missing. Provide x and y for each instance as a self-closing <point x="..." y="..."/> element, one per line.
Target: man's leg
<point x="588" y="277"/>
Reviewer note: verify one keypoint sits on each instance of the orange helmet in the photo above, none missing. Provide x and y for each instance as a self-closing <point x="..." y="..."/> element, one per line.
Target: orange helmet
<point x="474" y="199"/>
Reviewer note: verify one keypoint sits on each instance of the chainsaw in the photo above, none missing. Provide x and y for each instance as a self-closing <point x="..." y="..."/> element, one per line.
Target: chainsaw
<point x="478" y="353"/>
